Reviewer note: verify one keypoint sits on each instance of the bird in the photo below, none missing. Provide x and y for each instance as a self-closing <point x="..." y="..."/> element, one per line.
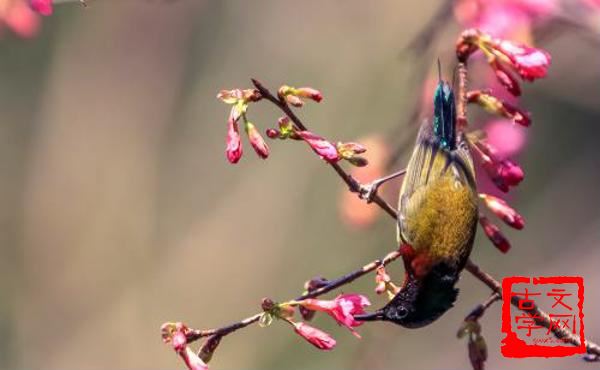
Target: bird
<point x="437" y="219"/>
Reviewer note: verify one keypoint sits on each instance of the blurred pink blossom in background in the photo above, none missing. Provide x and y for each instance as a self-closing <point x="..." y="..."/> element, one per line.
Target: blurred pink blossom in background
<point x="19" y="18"/>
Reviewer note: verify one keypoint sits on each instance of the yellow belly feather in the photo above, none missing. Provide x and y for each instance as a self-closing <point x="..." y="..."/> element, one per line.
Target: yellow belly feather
<point x="438" y="207"/>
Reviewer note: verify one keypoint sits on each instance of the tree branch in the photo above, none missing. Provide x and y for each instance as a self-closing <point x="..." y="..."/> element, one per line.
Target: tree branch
<point x="471" y="267"/>
<point x="195" y="334"/>
<point x="354" y="186"/>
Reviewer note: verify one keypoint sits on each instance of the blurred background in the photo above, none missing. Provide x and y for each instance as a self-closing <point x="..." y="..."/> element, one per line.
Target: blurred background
<point x="120" y="211"/>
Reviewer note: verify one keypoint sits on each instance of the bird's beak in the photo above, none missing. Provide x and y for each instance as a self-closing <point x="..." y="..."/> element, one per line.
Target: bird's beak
<point x="375" y="316"/>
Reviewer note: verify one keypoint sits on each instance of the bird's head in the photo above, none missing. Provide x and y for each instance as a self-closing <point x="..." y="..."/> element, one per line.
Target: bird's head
<point x="419" y="302"/>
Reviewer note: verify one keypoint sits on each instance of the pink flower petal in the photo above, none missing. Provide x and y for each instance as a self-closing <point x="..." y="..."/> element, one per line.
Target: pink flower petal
<point x="314" y="336"/>
<point x="44" y="7"/>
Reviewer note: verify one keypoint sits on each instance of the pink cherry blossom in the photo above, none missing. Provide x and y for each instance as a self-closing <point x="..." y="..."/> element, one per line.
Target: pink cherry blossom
<point x="342" y="309"/>
<point x="234" y="142"/>
<point x="494" y="235"/>
<point x="530" y="63"/>
<point x="325" y="149"/>
<point x="256" y="140"/>
<point x="20" y="18"/>
<point x="314" y="336"/>
<point x="501" y="209"/>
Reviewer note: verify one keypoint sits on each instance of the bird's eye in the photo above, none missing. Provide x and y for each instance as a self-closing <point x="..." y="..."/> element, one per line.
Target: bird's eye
<point x="402" y="312"/>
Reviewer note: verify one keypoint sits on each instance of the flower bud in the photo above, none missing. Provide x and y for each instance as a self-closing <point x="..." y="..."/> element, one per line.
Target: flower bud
<point x="268" y="305"/>
<point x="294" y="101"/>
<point x="504" y="173"/>
<point x="348" y="150"/>
<point x="510" y="172"/>
<point x="314" y="336"/>
<point x="292" y="95"/>
<point x="234" y="143"/>
<point x="530" y="63"/>
<point x="503" y="210"/>
<point x="324" y="149"/>
<point x="310" y="93"/>
<point x="272" y="133"/>
<point x="285" y="90"/>
<point x="256" y="140"/>
<point x="518" y="116"/>
<point x="496" y="106"/>
<point x="494" y="234"/>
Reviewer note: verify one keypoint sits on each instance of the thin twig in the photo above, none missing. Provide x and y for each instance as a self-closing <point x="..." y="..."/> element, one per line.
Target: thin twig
<point x="478" y="311"/>
<point x="195" y="334"/>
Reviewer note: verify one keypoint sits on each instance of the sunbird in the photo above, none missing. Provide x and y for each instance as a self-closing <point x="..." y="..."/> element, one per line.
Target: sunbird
<point x="437" y="219"/>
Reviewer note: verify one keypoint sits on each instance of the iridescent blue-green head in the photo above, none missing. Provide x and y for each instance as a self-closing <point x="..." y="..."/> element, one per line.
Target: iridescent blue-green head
<point x="444" y="115"/>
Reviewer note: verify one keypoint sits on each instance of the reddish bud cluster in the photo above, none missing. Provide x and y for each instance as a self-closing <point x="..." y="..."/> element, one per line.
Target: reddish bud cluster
<point x="293" y="95"/>
<point x="529" y="63"/>
<point x="239" y="100"/>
